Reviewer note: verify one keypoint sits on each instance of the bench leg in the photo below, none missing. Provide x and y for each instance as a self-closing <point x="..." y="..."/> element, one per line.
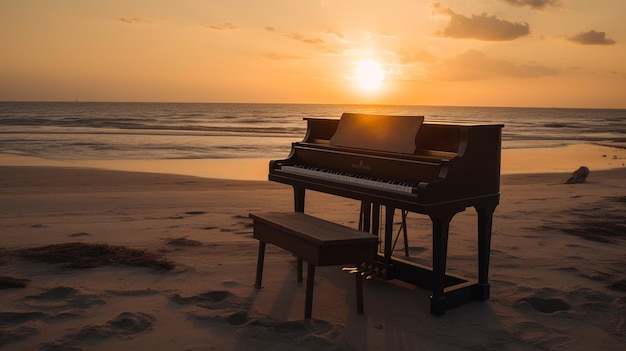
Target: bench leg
<point x="359" y="292"/>
<point x="259" y="264"/>
<point x="299" y="270"/>
<point x="310" y="279"/>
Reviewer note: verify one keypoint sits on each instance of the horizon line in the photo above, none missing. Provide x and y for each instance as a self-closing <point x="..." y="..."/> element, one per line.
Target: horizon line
<point x="302" y="103"/>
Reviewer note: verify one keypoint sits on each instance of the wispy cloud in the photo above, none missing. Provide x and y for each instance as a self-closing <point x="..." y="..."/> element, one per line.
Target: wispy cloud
<point x="591" y="38"/>
<point x="535" y="4"/>
<point x="130" y="20"/>
<point x="407" y="57"/>
<point x="301" y="38"/>
<point x="481" y="27"/>
<point x="136" y="20"/>
<point x="282" y="56"/>
<point x="476" y="65"/>
<point x="222" y="27"/>
<point x="269" y="28"/>
<point x="339" y="35"/>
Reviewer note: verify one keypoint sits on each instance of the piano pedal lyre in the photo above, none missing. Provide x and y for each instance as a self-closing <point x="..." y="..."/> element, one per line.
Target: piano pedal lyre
<point x="369" y="271"/>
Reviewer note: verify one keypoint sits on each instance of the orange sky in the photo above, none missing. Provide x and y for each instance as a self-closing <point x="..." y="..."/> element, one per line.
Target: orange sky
<point x="563" y="53"/>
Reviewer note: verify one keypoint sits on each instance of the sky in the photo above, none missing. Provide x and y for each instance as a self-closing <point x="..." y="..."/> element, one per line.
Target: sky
<point x="518" y="53"/>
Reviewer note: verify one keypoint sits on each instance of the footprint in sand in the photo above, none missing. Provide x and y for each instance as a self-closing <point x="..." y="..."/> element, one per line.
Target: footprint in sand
<point x="195" y="213"/>
<point x="546" y="305"/>
<point x="230" y="317"/>
<point x="225" y="308"/>
<point x="63" y="298"/>
<point x="139" y="292"/>
<point x="15" y="326"/>
<point x="308" y="335"/>
<point x="13" y="318"/>
<point x="219" y="306"/>
<point x="619" y="286"/>
<point x="10" y="282"/>
<point x="182" y="242"/>
<point x="39" y="226"/>
<point x="189" y="213"/>
<point x="209" y="299"/>
<point x="124" y="325"/>
<point x="9" y="333"/>
<point x="74" y="235"/>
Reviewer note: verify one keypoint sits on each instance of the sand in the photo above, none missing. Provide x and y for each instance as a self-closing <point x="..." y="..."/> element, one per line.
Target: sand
<point x="558" y="273"/>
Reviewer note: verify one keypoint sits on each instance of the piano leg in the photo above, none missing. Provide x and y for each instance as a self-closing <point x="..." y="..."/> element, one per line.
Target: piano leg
<point x="389" y="212"/>
<point x="441" y="226"/>
<point x="485" y="221"/>
<point x="405" y="233"/>
<point x="298" y="198"/>
<point x="365" y="216"/>
<point x="298" y="206"/>
<point x="375" y="219"/>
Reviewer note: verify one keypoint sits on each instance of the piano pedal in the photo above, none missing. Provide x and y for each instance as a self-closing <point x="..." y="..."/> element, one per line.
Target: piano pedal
<point x="351" y="270"/>
<point x="362" y="270"/>
<point x="376" y="273"/>
<point x="369" y="271"/>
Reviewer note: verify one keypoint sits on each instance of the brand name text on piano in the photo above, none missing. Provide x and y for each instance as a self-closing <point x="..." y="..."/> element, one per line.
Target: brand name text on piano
<point x="361" y="165"/>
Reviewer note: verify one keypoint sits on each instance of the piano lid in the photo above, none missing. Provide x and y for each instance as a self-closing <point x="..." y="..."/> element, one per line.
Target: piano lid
<point x="377" y="132"/>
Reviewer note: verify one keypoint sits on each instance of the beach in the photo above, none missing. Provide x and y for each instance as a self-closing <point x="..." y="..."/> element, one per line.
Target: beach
<point x="557" y="271"/>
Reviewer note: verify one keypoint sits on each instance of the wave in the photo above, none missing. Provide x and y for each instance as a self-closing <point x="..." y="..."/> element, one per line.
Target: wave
<point x="164" y="130"/>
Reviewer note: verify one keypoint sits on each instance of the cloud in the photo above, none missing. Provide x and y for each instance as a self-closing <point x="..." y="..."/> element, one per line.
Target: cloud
<point x="535" y="4"/>
<point x="129" y="20"/>
<point x="270" y="28"/>
<point x="135" y="20"/>
<point x="280" y="56"/>
<point x="481" y="27"/>
<point x="222" y="27"/>
<point x="476" y="65"/>
<point x="339" y="35"/>
<point x="591" y="38"/>
<point x="407" y="57"/>
<point x="303" y="39"/>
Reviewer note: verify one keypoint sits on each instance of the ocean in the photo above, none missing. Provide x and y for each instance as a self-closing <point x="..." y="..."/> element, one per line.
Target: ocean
<point x="151" y="131"/>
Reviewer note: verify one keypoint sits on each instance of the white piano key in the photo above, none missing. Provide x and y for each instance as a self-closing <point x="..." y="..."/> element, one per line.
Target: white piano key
<point x="346" y="178"/>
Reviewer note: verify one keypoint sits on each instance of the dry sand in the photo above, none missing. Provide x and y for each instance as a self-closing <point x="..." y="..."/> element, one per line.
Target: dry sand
<point x="557" y="270"/>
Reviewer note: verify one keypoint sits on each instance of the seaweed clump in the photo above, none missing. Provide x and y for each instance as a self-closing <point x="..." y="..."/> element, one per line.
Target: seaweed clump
<point x="81" y="255"/>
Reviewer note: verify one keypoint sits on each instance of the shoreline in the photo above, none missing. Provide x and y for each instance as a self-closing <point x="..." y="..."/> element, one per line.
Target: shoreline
<point x="565" y="159"/>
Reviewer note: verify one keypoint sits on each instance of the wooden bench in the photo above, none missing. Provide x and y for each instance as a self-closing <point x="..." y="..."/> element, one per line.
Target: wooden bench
<point x="316" y="241"/>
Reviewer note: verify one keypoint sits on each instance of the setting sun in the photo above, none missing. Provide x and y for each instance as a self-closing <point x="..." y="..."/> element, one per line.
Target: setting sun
<point x="369" y="75"/>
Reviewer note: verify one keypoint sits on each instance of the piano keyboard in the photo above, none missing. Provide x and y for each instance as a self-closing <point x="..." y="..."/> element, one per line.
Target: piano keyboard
<point x="344" y="177"/>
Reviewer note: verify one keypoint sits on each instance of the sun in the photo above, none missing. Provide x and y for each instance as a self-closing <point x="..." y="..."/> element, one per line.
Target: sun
<point x="369" y="75"/>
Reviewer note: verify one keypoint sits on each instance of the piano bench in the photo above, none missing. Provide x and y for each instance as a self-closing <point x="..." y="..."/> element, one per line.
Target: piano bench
<point x="316" y="241"/>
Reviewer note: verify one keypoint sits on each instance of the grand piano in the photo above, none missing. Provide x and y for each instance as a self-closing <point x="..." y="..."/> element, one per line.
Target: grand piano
<point x="392" y="163"/>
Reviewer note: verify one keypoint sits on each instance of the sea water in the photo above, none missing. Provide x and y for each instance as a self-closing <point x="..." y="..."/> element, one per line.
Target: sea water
<point x="150" y="131"/>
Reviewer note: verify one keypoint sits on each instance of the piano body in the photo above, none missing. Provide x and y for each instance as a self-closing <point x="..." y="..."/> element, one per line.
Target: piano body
<point x="452" y="167"/>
